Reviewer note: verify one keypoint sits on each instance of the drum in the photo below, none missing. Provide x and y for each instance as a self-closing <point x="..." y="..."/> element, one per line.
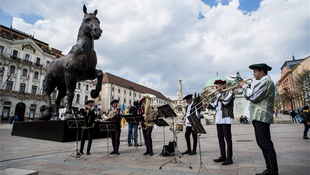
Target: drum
<point x="177" y="128"/>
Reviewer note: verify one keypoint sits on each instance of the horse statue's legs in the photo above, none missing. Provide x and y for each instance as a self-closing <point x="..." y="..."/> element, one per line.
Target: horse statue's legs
<point x="71" y="85"/>
<point x="48" y="89"/>
<point x="61" y="94"/>
<point x="99" y="75"/>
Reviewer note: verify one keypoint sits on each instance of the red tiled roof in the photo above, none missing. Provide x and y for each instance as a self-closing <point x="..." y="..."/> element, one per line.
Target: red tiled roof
<point x="110" y="78"/>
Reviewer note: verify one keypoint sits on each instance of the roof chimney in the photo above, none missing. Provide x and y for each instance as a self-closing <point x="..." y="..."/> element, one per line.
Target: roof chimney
<point x="293" y="57"/>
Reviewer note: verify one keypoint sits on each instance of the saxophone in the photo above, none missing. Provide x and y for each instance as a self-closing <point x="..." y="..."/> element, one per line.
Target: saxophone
<point x="149" y="112"/>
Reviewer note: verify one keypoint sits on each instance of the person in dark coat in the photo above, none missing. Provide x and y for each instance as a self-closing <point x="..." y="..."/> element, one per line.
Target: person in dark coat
<point x="305" y="114"/>
<point x="116" y="114"/>
<point x="88" y="130"/>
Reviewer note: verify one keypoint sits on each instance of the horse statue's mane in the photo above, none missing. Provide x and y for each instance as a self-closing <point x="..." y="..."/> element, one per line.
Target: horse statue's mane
<point x="78" y="65"/>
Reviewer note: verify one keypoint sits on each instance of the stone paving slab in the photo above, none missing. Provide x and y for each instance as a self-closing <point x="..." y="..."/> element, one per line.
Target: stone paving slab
<point x="47" y="157"/>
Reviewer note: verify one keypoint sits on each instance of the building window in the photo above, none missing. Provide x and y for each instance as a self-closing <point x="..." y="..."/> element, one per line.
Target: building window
<point x="87" y="87"/>
<point x="112" y="89"/>
<point x="86" y="98"/>
<point x="15" y="53"/>
<point x="47" y="63"/>
<point x="38" y="60"/>
<point x="112" y="97"/>
<point x="34" y="89"/>
<point x="129" y="101"/>
<point x="36" y="75"/>
<point x="119" y="99"/>
<point x="1" y="49"/>
<point x="9" y="85"/>
<point x="22" y="87"/>
<point x="77" y="98"/>
<point x="99" y="98"/>
<point x="25" y="72"/>
<point x="79" y="86"/>
<point x="124" y="100"/>
<point x="129" y="93"/>
<point x="27" y="56"/>
<point x="124" y="92"/>
<point x="119" y="91"/>
<point x="12" y="69"/>
<point x="6" y="113"/>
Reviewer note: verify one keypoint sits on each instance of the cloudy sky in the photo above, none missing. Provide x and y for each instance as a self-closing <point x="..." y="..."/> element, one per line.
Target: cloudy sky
<point x="153" y="42"/>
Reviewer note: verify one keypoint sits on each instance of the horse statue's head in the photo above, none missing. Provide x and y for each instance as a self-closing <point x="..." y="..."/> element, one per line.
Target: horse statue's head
<point x="91" y="24"/>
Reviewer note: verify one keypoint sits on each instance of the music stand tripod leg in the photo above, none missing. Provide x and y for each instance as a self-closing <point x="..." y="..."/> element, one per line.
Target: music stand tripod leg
<point x="201" y="164"/>
<point x="76" y="152"/>
<point x="174" y="160"/>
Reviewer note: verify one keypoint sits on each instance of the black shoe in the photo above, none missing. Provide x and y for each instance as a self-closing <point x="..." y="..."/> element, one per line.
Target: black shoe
<point x="227" y="162"/>
<point x="305" y="137"/>
<point x="266" y="172"/>
<point x="146" y="153"/>
<point x="220" y="159"/>
<point x="192" y="153"/>
<point x="151" y="153"/>
<point x="81" y="152"/>
<point x="88" y="153"/>
<point x="117" y="153"/>
<point x="113" y="152"/>
<point x="186" y="152"/>
<point x="129" y="145"/>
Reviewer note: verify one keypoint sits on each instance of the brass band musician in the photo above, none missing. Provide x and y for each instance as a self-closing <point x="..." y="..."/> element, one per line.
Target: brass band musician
<point x="224" y="117"/>
<point x="262" y="97"/>
<point x="90" y="114"/>
<point x="190" y="108"/>
<point x="114" y="115"/>
<point x="148" y="114"/>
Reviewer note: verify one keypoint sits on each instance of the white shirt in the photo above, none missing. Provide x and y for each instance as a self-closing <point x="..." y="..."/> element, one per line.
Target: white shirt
<point x="218" y="116"/>
<point x="188" y="112"/>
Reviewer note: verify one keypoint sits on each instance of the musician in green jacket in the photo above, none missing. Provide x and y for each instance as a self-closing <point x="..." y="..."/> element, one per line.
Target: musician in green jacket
<point x="261" y="97"/>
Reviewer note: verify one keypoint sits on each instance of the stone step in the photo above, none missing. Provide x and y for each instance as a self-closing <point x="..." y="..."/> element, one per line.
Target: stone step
<point x="15" y="171"/>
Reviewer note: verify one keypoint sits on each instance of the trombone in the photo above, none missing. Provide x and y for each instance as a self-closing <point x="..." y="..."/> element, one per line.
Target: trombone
<point x="226" y="87"/>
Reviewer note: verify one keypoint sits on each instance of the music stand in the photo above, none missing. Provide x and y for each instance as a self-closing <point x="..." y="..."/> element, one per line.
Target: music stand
<point x="162" y="122"/>
<point x="167" y="112"/>
<point x="198" y="128"/>
<point x="107" y="126"/>
<point x="134" y="119"/>
<point x="76" y="124"/>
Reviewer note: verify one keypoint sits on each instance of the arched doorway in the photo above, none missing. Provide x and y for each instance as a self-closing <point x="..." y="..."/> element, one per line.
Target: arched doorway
<point x="42" y="109"/>
<point x="20" y="111"/>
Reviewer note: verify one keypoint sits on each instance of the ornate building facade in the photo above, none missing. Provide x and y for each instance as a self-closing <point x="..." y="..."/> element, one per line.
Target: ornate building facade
<point x="23" y="62"/>
<point x="294" y="92"/>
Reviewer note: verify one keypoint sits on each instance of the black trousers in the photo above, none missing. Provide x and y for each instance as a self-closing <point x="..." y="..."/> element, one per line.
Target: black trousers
<point x="89" y="134"/>
<point x="147" y="134"/>
<point x="188" y="132"/>
<point x="224" y="131"/>
<point x="115" y="136"/>
<point x="263" y="139"/>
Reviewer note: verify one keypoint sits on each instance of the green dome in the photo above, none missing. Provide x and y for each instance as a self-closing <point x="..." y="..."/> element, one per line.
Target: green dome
<point x="211" y="81"/>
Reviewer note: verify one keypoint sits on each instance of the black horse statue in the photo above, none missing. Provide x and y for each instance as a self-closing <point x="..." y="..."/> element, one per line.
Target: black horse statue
<point x="78" y="65"/>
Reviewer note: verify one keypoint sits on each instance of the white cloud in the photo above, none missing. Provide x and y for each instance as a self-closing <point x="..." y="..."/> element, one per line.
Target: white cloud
<point x="154" y="42"/>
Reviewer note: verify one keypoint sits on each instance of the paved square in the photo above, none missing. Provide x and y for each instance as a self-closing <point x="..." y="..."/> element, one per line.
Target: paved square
<point x="47" y="157"/>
